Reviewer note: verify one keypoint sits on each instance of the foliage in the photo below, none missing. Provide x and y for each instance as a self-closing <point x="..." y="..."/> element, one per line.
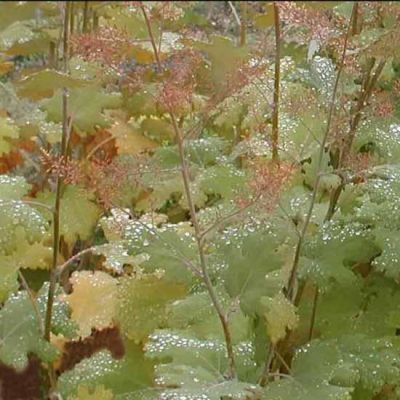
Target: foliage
<point x="151" y="248"/>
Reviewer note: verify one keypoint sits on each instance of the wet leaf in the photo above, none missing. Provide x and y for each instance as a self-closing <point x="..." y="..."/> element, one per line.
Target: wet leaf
<point x="93" y="300"/>
<point x="44" y="83"/>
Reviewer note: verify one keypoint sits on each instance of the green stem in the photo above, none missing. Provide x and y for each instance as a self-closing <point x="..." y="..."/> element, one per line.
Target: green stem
<point x="368" y="84"/>
<point x="198" y="234"/>
<point x="292" y="278"/>
<point x="290" y="288"/>
<point x="313" y="313"/>
<point x="57" y="205"/>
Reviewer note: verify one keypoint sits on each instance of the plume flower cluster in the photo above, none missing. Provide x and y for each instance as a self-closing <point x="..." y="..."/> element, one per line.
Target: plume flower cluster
<point x="68" y="170"/>
<point x="166" y="10"/>
<point x="106" y="179"/>
<point x="382" y="103"/>
<point x="317" y="23"/>
<point x="107" y="45"/>
<point x="267" y="183"/>
<point x="177" y="89"/>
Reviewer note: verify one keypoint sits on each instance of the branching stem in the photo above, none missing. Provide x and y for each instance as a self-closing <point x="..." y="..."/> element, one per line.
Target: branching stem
<point x="290" y="288"/>
<point x="187" y="186"/>
<point x="368" y="83"/>
<point x="57" y="205"/>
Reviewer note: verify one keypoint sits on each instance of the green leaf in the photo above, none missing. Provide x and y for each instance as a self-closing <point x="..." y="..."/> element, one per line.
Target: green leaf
<point x="254" y="271"/>
<point x="142" y="304"/>
<point x="223" y="180"/>
<point x="30" y="255"/>
<point x="388" y="260"/>
<point x="173" y="253"/>
<point x="333" y="249"/>
<point x="8" y="130"/>
<point x="8" y="278"/>
<point x="78" y="214"/>
<point x="224" y="56"/>
<point x="27" y="116"/>
<point x="122" y="377"/>
<point x="21" y="38"/>
<point x="16" y="215"/>
<point x="43" y="84"/>
<point x="116" y="256"/>
<point x="13" y="187"/>
<point x="234" y="390"/>
<point x="20" y="333"/>
<point x="170" y="187"/>
<point x="184" y="351"/>
<point x="328" y="181"/>
<point x="338" y="310"/>
<point x="86" y="105"/>
<point x="196" y="314"/>
<point x="312" y="368"/>
<point x="61" y="323"/>
<point x="99" y="393"/>
<point x="265" y="20"/>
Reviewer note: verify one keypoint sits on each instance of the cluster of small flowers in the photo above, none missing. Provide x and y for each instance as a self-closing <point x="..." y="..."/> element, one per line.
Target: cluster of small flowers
<point x="166" y="10"/>
<point x="382" y="103"/>
<point x="105" y="178"/>
<point x="267" y="185"/>
<point x="108" y="179"/>
<point x="351" y="60"/>
<point x="107" y="45"/>
<point x="318" y="24"/>
<point x="177" y="89"/>
<point x="359" y="163"/>
<point x="68" y="170"/>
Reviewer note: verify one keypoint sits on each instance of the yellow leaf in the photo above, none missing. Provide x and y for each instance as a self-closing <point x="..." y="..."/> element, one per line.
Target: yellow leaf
<point x="266" y="19"/>
<point x="30" y="255"/>
<point x="280" y="315"/>
<point x="99" y="393"/>
<point x="92" y="301"/>
<point x="5" y="67"/>
<point x="128" y="139"/>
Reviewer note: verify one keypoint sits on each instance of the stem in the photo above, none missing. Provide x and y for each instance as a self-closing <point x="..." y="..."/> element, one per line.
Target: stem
<point x="186" y="181"/>
<point x="227" y="217"/>
<point x="266" y="372"/>
<point x="275" y="110"/>
<point x="72" y="18"/>
<point x="291" y="282"/>
<point x="95" y="20"/>
<point x="354" y="26"/>
<point x="61" y="268"/>
<point x="32" y="300"/>
<point x="235" y="14"/>
<point x="243" y="23"/>
<point x="314" y="313"/>
<point x="85" y="17"/>
<point x="369" y="82"/>
<point x="56" y="212"/>
<point x="98" y="146"/>
<point x="52" y="54"/>
<point x="290" y="292"/>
